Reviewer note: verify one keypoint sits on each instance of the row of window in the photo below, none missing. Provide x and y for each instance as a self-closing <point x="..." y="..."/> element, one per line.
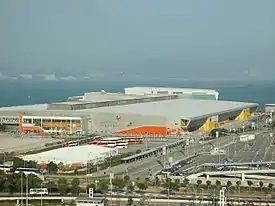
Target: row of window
<point x="29" y="121"/>
<point x="108" y="125"/>
<point x="167" y="92"/>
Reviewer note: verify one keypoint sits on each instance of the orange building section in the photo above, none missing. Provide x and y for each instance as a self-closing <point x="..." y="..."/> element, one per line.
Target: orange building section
<point x="34" y="129"/>
<point x="144" y="130"/>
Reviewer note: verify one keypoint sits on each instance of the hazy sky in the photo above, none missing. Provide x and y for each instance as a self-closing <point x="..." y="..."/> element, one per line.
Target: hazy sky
<point x="181" y="38"/>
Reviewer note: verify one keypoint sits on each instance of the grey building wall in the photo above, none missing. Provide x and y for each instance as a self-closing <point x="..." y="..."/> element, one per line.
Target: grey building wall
<point x="196" y="124"/>
<point x="229" y="115"/>
<point x="108" y="123"/>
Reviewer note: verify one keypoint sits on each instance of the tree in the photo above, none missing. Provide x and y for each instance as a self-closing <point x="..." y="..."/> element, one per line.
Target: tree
<point x="34" y="181"/>
<point x="130" y="201"/>
<point x="270" y="187"/>
<point x="142" y="186"/>
<point x="62" y="186"/>
<point x="228" y="184"/>
<point x="2" y="128"/>
<point x="90" y="186"/>
<point x="177" y="183"/>
<point x="52" y="168"/>
<point x="218" y="184"/>
<point x="249" y="183"/>
<point x="147" y="180"/>
<point x="199" y="182"/>
<point x="75" y="186"/>
<point x="118" y="183"/>
<point x="103" y="184"/>
<point x="130" y="187"/>
<point x="261" y="184"/>
<point x="157" y="181"/>
<point x="126" y="178"/>
<point x="51" y="185"/>
<point x="208" y="183"/>
<point x="186" y="182"/>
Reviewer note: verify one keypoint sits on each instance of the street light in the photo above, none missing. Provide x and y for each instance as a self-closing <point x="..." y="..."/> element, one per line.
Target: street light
<point x="27" y="190"/>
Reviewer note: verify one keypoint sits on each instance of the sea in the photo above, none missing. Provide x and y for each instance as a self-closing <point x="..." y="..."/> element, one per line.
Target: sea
<point x="22" y="92"/>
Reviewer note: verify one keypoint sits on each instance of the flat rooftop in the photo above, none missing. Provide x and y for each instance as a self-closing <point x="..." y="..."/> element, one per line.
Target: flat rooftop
<point x="70" y="155"/>
<point x="179" y="108"/>
<point x="188" y="90"/>
<point x="94" y="97"/>
<point x="33" y="107"/>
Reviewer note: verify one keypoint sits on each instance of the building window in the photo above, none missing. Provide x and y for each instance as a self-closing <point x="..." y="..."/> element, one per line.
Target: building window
<point x="162" y="92"/>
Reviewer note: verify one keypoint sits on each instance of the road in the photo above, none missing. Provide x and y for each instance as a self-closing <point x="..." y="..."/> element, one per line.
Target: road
<point x="156" y="197"/>
<point x="258" y="150"/>
<point x="153" y="164"/>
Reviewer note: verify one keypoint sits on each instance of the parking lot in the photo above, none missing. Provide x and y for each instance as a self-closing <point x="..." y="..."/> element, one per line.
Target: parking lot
<point x="15" y="143"/>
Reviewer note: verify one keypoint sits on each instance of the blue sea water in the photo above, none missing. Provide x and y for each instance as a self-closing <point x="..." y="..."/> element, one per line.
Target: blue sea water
<point x="20" y="92"/>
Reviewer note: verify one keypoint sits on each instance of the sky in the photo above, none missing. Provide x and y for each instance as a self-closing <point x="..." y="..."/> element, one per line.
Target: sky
<point x="140" y="38"/>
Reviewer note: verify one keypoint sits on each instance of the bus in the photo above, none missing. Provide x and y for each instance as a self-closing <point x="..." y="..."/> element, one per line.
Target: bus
<point x="7" y="169"/>
<point x="39" y="191"/>
<point x="28" y="171"/>
<point x="134" y="140"/>
<point x="121" y="145"/>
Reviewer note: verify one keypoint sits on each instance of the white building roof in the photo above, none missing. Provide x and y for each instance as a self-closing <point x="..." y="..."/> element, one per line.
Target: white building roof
<point x="70" y="155"/>
<point x="33" y="107"/>
<point x="170" y="89"/>
<point x="179" y="108"/>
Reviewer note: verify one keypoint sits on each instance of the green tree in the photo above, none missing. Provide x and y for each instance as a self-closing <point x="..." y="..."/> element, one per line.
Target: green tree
<point x="118" y="183"/>
<point x="126" y="178"/>
<point x="103" y="184"/>
<point x="249" y="183"/>
<point x="147" y="180"/>
<point x="228" y="185"/>
<point x="157" y="181"/>
<point x="130" y="201"/>
<point x="130" y="187"/>
<point x="199" y="182"/>
<point x="51" y="185"/>
<point x="186" y="182"/>
<point x="2" y="128"/>
<point x="75" y="186"/>
<point x="261" y="184"/>
<point x="34" y="181"/>
<point x="177" y="182"/>
<point x="270" y="187"/>
<point x="52" y="168"/>
<point x="142" y="186"/>
<point x="218" y="184"/>
<point x="62" y="186"/>
<point x="91" y="186"/>
<point x="208" y="183"/>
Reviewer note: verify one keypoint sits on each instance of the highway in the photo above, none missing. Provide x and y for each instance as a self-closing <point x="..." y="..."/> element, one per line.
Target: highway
<point x="156" y="197"/>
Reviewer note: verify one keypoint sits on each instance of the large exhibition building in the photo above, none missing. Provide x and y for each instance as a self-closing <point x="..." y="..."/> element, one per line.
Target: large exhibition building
<point x="139" y="111"/>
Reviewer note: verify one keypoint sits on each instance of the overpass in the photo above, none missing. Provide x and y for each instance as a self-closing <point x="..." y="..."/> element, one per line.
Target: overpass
<point x="236" y="164"/>
<point x="152" y="151"/>
<point x="232" y="172"/>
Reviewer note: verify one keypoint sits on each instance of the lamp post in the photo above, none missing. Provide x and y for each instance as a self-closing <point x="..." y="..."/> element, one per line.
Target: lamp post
<point x="27" y="190"/>
<point x="111" y="175"/>
<point x="41" y="203"/>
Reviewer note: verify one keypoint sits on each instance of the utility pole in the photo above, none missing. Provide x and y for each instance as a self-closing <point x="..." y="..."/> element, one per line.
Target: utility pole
<point x="111" y="175"/>
<point x="41" y="203"/>
<point x="27" y="190"/>
<point x="164" y="157"/>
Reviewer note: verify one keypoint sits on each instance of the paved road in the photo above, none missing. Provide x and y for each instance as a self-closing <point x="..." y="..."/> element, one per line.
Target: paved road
<point x="257" y="150"/>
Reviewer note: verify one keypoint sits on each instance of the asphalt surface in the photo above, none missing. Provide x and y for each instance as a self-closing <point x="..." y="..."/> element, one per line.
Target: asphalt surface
<point x="258" y="150"/>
